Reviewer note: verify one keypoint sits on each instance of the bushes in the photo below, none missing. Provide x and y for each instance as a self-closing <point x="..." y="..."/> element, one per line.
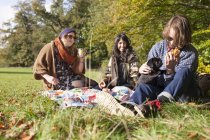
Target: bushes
<point x="202" y="43"/>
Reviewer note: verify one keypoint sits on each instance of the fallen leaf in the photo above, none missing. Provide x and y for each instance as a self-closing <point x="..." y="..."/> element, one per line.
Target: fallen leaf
<point x="192" y="104"/>
<point x="2" y="126"/>
<point x="1" y="114"/>
<point x="25" y="136"/>
<point x="13" y="101"/>
<point x="13" y="122"/>
<point x="54" y="128"/>
<point x="192" y="135"/>
<point x="22" y="126"/>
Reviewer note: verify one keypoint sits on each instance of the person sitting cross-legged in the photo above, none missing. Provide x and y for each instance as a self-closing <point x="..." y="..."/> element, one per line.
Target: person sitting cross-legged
<point x="180" y="61"/>
<point x="60" y="65"/>
<point x="122" y="68"/>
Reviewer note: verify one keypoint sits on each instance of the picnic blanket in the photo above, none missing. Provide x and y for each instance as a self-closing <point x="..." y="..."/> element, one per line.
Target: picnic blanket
<point x="84" y="97"/>
<point x="121" y="93"/>
<point x="77" y="97"/>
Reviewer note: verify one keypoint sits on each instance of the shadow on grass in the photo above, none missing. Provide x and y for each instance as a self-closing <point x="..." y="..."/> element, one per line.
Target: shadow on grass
<point x="14" y="72"/>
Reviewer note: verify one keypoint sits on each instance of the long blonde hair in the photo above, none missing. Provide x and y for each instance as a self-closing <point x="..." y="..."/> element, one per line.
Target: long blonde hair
<point x="182" y="27"/>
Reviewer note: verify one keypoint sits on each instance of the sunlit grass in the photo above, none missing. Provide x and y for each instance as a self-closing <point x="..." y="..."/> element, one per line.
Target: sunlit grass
<point x="94" y="74"/>
<point x="23" y="111"/>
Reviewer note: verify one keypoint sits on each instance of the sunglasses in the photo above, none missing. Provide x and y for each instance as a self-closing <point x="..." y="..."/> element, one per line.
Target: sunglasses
<point x="169" y="39"/>
<point x="70" y="37"/>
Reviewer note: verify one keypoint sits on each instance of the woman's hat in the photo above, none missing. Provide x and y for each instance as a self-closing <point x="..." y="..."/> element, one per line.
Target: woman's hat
<point x="67" y="31"/>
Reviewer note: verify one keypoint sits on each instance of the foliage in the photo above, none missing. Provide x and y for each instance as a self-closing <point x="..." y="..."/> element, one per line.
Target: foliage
<point x="142" y="20"/>
<point x="34" y="27"/>
<point x="98" y="22"/>
<point x="3" y="56"/>
<point x="202" y="40"/>
<point x="203" y="68"/>
<point x="19" y="40"/>
<point x="98" y="53"/>
<point x="26" y="114"/>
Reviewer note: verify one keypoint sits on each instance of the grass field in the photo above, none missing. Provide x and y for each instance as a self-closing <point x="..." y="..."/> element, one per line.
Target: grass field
<point x="25" y="114"/>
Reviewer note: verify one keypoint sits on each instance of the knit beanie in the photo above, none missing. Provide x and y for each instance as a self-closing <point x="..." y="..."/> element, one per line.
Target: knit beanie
<point x="67" y="31"/>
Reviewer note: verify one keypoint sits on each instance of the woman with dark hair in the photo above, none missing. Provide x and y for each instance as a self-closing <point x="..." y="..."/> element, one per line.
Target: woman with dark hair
<point x="60" y="65"/>
<point x="180" y="61"/>
<point x="123" y="65"/>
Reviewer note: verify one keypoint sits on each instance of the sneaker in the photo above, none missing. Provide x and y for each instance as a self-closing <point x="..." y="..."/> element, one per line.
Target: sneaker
<point x="165" y="97"/>
<point x="110" y="105"/>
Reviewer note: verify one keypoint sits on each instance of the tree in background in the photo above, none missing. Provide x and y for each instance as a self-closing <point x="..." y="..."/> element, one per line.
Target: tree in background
<point x="97" y="23"/>
<point x="20" y="37"/>
<point x="143" y="21"/>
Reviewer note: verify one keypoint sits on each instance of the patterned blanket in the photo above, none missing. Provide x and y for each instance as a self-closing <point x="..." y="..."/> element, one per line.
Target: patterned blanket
<point x="77" y="97"/>
<point x="84" y="97"/>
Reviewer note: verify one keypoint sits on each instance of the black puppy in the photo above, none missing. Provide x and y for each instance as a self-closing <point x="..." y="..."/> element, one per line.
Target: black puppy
<point x="154" y="63"/>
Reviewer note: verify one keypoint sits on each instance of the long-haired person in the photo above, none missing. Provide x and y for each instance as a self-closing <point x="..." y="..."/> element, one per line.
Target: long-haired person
<point x="122" y="68"/>
<point x="180" y="61"/>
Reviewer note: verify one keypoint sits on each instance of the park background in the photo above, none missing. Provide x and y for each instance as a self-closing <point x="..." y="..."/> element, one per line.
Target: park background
<point x="24" y="114"/>
<point x="97" y="23"/>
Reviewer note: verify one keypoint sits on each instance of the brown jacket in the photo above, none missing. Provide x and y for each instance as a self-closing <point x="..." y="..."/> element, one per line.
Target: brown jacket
<point x="45" y="64"/>
<point x="111" y="76"/>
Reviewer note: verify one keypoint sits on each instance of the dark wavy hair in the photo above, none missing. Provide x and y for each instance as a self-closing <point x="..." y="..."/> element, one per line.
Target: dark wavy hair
<point x="129" y="48"/>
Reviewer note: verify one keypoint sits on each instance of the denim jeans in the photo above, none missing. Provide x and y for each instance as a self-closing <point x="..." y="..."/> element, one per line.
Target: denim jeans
<point x="183" y="87"/>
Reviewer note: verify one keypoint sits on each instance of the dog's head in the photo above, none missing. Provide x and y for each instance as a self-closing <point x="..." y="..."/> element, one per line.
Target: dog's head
<point x="155" y="63"/>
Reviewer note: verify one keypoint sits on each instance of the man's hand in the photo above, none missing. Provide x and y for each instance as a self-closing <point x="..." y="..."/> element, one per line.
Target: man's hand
<point x="145" y="69"/>
<point x="171" y="62"/>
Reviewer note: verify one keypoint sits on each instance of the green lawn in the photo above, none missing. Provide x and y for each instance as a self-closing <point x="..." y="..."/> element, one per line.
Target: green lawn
<point x="24" y="113"/>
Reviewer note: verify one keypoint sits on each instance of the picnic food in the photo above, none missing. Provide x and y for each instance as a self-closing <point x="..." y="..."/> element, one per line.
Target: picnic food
<point x="58" y="92"/>
<point x="80" y="51"/>
<point x="175" y="52"/>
